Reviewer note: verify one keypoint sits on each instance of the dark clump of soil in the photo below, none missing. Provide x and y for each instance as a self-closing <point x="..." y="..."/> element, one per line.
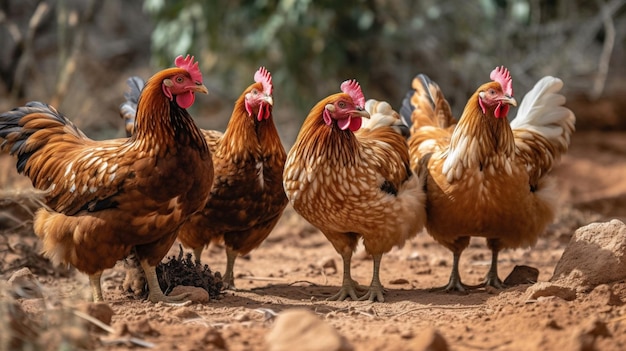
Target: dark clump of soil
<point x="183" y="270"/>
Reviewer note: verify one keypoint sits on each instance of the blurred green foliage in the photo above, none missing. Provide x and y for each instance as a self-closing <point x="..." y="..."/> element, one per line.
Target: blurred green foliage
<point x="311" y="46"/>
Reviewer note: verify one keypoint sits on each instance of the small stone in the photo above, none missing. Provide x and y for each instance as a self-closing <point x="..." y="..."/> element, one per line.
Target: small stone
<point x="25" y="285"/>
<point x="301" y="329"/>
<point x="585" y="336"/>
<point x="428" y="339"/>
<point x="329" y="265"/>
<point x="544" y="289"/>
<point x="398" y="281"/>
<point x="522" y="275"/>
<point x="186" y="313"/>
<point x="195" y="294"/>
<point x="98" y="310"/>
<point x="142" y="327"/>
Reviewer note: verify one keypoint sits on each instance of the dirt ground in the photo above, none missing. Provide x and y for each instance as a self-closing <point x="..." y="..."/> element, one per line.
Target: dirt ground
<point x="297" y="267"/>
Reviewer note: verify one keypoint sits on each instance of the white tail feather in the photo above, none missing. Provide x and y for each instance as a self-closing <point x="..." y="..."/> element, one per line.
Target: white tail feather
<point x="542" y="110"/>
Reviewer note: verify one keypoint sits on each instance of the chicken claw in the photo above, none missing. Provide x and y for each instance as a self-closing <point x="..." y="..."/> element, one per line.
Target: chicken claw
<point x="349" y="286"/>
<point x="376" y="291"/>
<point x="454" y="284"/>
<point x="348" y="289"/>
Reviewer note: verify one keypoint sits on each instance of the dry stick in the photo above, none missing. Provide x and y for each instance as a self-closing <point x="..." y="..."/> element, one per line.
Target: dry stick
<point x="110" y="330"/>
<point x="28" y="56"/>
<point x="441" y="307"/>
<point x="69" y="65"/>
<point x="607" y="49"/>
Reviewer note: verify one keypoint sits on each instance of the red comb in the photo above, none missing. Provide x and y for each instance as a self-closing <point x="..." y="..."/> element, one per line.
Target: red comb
<point x="352" y="88"/>
<point x="264" y="77"/>
<point x="502" y="76"/>
<point x="188" y="64"/>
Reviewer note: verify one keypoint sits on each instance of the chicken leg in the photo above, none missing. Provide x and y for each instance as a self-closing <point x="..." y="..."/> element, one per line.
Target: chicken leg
<point x="348" y="286"/>
<point x="229" y="276"/>
<point x="156" y="294"/>
<point x="454" y="283"/>
<point x="96" y="288"/>
<point x="492" y="276"/>
<point x="376" y="290"/>
<point x="197" y="252"/>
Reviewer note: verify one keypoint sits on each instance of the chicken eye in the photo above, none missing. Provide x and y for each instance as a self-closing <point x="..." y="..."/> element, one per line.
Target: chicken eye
<point x="492" y="92"/>
<point x="341" y="104"/>
<point x="179" y="79"/>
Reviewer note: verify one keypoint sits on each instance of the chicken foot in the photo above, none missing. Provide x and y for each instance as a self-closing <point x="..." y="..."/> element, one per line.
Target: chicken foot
<point x="96" y="288"/>
<point x="454" y="284"/>
<point x="349" y="286"/>
<point x="156" y="294"/>
<point x="376" y="290"/>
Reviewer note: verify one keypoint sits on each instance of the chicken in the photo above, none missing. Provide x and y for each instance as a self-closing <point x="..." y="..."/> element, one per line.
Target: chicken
<point x="484" y="176"/>
<point x="352" y="182"/>
<point x="247" y="197"/>
<point x="107" y="198"/>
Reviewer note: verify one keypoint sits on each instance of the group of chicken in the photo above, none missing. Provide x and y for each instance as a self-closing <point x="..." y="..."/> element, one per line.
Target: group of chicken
<point x="358" y="170"/>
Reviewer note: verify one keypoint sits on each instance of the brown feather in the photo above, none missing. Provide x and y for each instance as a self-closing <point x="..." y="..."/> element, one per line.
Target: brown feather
<point x="106" y="197"/>
<point x="247" y="196"/>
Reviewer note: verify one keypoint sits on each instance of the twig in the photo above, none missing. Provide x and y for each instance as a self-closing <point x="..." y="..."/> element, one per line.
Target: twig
<point x="27" y="58"/>
<point x="617" y="319"/>
<point x="440" y="307"/>
<point x="303" y="281"/>
<point x="607" y="49"/>
<point x="263" y="279"/>
<point x="110" y="330"/>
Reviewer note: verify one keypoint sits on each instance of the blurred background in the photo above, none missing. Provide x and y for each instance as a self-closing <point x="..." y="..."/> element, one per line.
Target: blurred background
<point x="77" y="54"/>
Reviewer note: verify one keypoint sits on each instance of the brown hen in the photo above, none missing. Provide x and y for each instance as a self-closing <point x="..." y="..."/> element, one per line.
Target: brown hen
<point x="106" y="198"/>
<point x="247" y="197"/>
<point x="484" y="176"/>
<point x="353" y="182"/>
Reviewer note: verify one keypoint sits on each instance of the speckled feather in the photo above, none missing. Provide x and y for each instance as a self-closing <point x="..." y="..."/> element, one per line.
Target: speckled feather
<point x="354" y="185"/>
<point x="106" y="197"/>
<point x="247" y="196"/>
<point x="484" y="178"/>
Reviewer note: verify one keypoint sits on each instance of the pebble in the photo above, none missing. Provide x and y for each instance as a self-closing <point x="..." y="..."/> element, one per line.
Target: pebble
<point x="300" y="329"/>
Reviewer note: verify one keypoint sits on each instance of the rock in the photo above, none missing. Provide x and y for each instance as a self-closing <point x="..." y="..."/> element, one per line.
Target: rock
<point x="603" y="294"/>
<point x="584" y="336"/>
<point x="194" y="294"/>
<point x="428" y="339"/>
<point x="329" y="265"/>
<point x="25" y="285"/>
<point x="301" y="329"/>
<point x="186" y="313"/>
<point x="522" y="275"/>
<point x="398" y="281"/>
<point x="98" y="310"/>
<point x="550" y="289"/>
<point x="595" y="255"/>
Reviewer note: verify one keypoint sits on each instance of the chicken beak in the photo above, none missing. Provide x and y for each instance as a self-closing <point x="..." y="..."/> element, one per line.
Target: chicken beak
<point x="269" y="100"/>
<point x="200" y="88"/>
<point x="509" y="100"/>
<point x="361" y="113"/>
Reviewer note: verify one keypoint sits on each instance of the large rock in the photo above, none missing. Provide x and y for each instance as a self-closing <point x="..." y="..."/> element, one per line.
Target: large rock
<point x="595" y="255"/>
<point x="301" y="329"/>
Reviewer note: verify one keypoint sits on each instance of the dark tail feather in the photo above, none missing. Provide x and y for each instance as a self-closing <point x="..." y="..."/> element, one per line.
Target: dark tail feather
<point x="407" y="103"/>
<point x="128" y="108"/>
<point x="16" y="132"/>
<point x="407" y="109"/>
